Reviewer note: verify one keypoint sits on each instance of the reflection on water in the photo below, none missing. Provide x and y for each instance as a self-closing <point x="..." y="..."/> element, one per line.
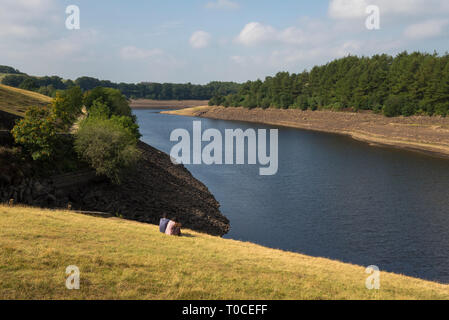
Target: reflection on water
<point x="332" y="197"/>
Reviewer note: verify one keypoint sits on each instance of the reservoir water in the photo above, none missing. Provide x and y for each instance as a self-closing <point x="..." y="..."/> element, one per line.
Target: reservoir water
<point x="332" y="197"/>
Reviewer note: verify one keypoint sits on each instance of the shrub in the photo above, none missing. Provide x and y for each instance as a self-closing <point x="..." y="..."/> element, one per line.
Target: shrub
<point x="393" y="106"/>
<point x="29" y="84"/>
<point x="441" y="109"/>
<point x="37" y="133"/>
<point x="377" y="109"/>
<point x="99" y="110"/>
<point x="427" y="107"/>
<point x="67" y="106"/>
<point x="14" y="80"/>
<point x="408" y="109"/>
<point x="113" y="98"/>
<point x="216" y="100"/>
<point x="265" y="103"/>
<point x="337" y="106"/>
<point x="128" y="124"/>
<point x="302" y="102"/>
<point x="108" y="146"/>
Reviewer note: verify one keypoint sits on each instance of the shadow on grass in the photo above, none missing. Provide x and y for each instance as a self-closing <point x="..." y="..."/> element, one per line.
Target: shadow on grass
<point x="187" y="235"/>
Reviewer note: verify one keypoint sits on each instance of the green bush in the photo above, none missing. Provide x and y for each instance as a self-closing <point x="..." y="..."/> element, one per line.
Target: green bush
<point x="29" y="84"/>
<point x="216" y="100"/>
<point x="337" y="106"/>
<point x="113" y="98"/>
<point x="302" y="103"/>
<point x="37" y="133"/>
<point x="377" y="109"/>
<point x="265" y="103"/>
<point x="99" y="110"/>
<point x="67" y="106"/>
<point x="128" y="124"/>
<point x="393" y="106"/>
<point x="441" y="109"/>
<point x="108" y="146"/>
<point x="408" y="109"/>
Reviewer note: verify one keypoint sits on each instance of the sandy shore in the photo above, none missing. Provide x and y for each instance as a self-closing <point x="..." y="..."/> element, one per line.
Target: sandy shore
<point x="166" y="104"/>
<point x="418" y="133"/>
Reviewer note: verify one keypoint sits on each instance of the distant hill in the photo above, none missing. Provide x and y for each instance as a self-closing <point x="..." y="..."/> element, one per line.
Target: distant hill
<point x="48" y="85"/>
<point x="9" y="70"/>
<point x="6" y="71"/>
<point x="17" y="101"/>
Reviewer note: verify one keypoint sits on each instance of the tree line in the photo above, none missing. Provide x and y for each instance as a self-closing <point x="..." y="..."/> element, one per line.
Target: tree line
<point x="145" y="90"/>
<point x="9" y="70"/>
<point x="407" y="84"/>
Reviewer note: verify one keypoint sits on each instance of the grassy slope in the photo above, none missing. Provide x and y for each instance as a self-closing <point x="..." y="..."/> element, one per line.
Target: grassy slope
<point x="16" y="101"/>
<point x="122" y="259"/>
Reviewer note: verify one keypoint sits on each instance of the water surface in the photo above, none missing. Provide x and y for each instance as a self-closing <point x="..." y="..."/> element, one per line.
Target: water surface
<point x="333" y="197"/>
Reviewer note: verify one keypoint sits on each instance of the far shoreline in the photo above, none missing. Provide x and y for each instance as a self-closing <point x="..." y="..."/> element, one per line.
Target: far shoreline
<point x="422" y="134"/>
<point x="165" y="104"/>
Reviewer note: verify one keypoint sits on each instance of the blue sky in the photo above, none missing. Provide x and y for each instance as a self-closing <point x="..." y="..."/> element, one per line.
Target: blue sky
<point x="204" y="40"/>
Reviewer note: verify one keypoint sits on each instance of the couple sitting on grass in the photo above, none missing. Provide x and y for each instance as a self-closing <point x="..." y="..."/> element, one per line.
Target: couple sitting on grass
<point x="170" y="227"/>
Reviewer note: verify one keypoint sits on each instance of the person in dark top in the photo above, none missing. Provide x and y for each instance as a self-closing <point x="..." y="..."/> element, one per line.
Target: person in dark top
<point x="163" y="223"/>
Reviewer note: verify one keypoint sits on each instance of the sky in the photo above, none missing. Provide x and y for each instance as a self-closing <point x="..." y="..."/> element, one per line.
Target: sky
<point x="199" y="41"/>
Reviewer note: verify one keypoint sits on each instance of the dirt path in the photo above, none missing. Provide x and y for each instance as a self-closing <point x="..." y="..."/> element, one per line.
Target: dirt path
<point x="417" y="133"/>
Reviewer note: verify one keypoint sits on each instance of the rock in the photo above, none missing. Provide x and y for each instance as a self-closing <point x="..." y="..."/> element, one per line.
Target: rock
<point x="59" y="193"/>
<point x="5" y="179"/>
<point x="38" y="189"/>
<point x="51" y="199"/>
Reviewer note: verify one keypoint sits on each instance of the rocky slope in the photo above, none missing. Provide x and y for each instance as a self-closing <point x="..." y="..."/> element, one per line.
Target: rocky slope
<point x="154" y="187"/>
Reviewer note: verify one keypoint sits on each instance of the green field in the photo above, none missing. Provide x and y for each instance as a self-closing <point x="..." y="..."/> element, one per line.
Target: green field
<point x="120" y="259"/>
<point x="17" y="101"/>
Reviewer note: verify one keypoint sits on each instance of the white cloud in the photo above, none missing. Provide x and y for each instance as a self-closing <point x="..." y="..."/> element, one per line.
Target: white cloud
<point x="134" y="53"/>
<point x="35" y="29"/>
<point x="255" y="33"/>
<point x="426" y="29"/>
<point x="28" y="19"/>
<point x="222" y="4"/>
<point x="288" y="58"/>
<point x="200" y="39"/>
<point x="348" y="9"/>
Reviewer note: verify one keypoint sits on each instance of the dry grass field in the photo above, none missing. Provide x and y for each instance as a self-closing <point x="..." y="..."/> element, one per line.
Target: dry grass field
<point x="17" y="101"/>
<point x="120" y="259"/>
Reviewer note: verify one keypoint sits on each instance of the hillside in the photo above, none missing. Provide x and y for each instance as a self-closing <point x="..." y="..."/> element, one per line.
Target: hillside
<point x="121" y="259"/>
<point x="16" y="101"/>
<point x="154" y="187"/>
